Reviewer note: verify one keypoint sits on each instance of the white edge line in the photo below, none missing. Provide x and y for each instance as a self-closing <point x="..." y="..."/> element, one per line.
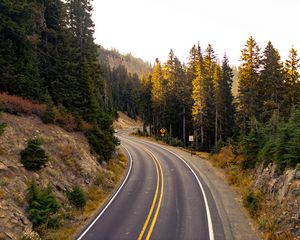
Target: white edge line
<point x="210" y="226"/>
<point x="108" y="204"/>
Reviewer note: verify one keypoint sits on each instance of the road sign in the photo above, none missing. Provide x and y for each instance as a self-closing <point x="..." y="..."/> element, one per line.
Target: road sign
<point x="163" y="132"/>
<point x="191" y="138"/>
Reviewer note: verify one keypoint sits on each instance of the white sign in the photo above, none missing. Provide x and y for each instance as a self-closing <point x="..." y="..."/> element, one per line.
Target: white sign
<point x="191" y="138"/>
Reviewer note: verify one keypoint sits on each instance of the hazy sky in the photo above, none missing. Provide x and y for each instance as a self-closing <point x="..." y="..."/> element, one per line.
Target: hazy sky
<point x="149" y="28"/>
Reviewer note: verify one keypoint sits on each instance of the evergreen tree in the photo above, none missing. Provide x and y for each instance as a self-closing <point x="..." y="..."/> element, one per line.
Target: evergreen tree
<point x="228" y="112"/>
<point x="292" y="69"/>
<point x="158" y="96"/>
<point x="18" y="56"/>
<point x="146" y="102"/>
<point x="204" y="103"/>
<point x="248" y="100"/>
<point x="272" y="83"/>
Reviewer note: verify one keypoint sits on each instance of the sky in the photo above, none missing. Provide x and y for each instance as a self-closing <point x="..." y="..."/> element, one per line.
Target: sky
<point x="148" y="29"/>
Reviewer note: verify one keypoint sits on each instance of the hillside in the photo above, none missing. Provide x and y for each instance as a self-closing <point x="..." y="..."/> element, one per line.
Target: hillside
<point x="131" y="63"/>
<point x="70" y="164"/>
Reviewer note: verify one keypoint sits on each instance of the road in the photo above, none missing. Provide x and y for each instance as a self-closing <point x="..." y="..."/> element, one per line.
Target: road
<point x="161" y="198"/>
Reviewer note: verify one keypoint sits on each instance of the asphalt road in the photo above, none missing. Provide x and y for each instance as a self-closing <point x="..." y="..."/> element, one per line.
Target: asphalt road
<point x="162" y="198"/>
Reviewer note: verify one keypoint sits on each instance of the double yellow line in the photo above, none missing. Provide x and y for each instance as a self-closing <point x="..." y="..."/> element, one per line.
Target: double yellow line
<point x="160" y="182"/>
<point x="157" y="200"/>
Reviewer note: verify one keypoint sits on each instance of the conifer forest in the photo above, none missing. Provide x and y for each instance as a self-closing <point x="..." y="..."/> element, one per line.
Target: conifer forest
<point x="48" y="56"/>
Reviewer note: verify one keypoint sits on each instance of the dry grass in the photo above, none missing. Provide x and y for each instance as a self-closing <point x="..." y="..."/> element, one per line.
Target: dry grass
<point x="66" y="233"/>
<point x="203" y="155"/>
<point x="19" y="197"/>
<point x="2" y="194"/>
<point x="96" y="196"/>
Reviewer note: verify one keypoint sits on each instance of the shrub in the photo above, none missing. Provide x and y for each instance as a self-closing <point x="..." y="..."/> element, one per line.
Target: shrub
<point x="77" y="197"/>
<point x="18" y="105"/>
<point x="103" y="143"/>
<point x="42" y="204"/>
<point x="49" y="115"/>
<point x="33" y="157"/>
<point x="30" y="235"/>
<point x="2" y="127"/>
<point x="252" y="201"/>
<point x="175" y="142"/>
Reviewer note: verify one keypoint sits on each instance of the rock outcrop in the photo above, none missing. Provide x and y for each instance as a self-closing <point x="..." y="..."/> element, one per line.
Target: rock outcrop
<point x="282" y="192"/>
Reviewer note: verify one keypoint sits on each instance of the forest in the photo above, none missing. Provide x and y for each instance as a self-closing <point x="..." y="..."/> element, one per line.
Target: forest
<point x="48" y="56"/>
<point x="262" y="121"/>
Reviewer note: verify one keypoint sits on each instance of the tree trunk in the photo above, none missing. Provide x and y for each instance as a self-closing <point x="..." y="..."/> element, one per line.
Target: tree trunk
<point x="216" y="127"/>
<point x="183" y="128"/>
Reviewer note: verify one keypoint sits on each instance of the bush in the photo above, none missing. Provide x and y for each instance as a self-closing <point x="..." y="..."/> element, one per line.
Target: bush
<point x="33" y="157"/>
<point x="77" y="197"/>
<point x="30" y="235"/>
<point x="42" y="205"/>
<point x="2" y="127"/>
<point x="175" y="142"/>
<point x="49" y="115"/>
<point x="217" y="148"/>
<point x="18" y="105"/>
<point x="252" y="201"/>
<point x="103" y="143"/>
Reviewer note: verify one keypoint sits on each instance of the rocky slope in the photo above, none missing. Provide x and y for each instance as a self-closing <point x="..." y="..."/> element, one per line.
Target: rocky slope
<point x="71" y="163"/>
<point x="281" y="214"/>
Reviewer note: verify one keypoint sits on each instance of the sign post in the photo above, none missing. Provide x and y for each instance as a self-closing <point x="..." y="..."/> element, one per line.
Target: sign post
<point x="191" y="139"/>
<point x="163" y="132"/>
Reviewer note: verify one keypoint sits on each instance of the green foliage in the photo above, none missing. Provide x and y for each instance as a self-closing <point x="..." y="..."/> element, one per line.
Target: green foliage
<point x="33" y="157"/>
<point x="2" y="127"/>
<point x="77" y="197"/>
<point x="42" y="205"/>
<point x="49" y="115"/>
<point x="248" y="99"/>
<point x="102" y="142"/>
<point x="252" y="201"/>
<point x="273" y="142"/>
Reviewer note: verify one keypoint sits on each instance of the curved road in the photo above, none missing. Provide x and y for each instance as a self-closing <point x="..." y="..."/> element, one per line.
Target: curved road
<point x="161" y="198"/>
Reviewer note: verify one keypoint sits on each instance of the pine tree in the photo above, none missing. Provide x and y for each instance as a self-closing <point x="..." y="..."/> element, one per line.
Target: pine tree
<point x="146" y="103"/>
<point x="203" y="95"/>
<point x="272" y="85"/>
<point x="195" y="69"/>
<point x="248" y="100"/>
<point x="158" y="94"/>
<point x="292" y="69"/>
<point x="228" y="112"/>
<point x="18" y="56"/>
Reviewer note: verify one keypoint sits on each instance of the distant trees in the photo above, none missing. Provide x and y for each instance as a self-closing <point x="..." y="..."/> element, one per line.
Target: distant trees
<point x="192" y="99"/>
<point x="196" y="99"/>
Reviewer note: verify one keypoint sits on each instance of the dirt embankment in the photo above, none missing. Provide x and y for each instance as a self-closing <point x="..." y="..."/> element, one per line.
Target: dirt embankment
<point x="70" y="164"/>
<point x="126" y="123"/>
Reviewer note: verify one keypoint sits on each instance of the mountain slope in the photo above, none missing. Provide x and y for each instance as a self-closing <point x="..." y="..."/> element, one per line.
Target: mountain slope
<point x="131" y="63"/>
